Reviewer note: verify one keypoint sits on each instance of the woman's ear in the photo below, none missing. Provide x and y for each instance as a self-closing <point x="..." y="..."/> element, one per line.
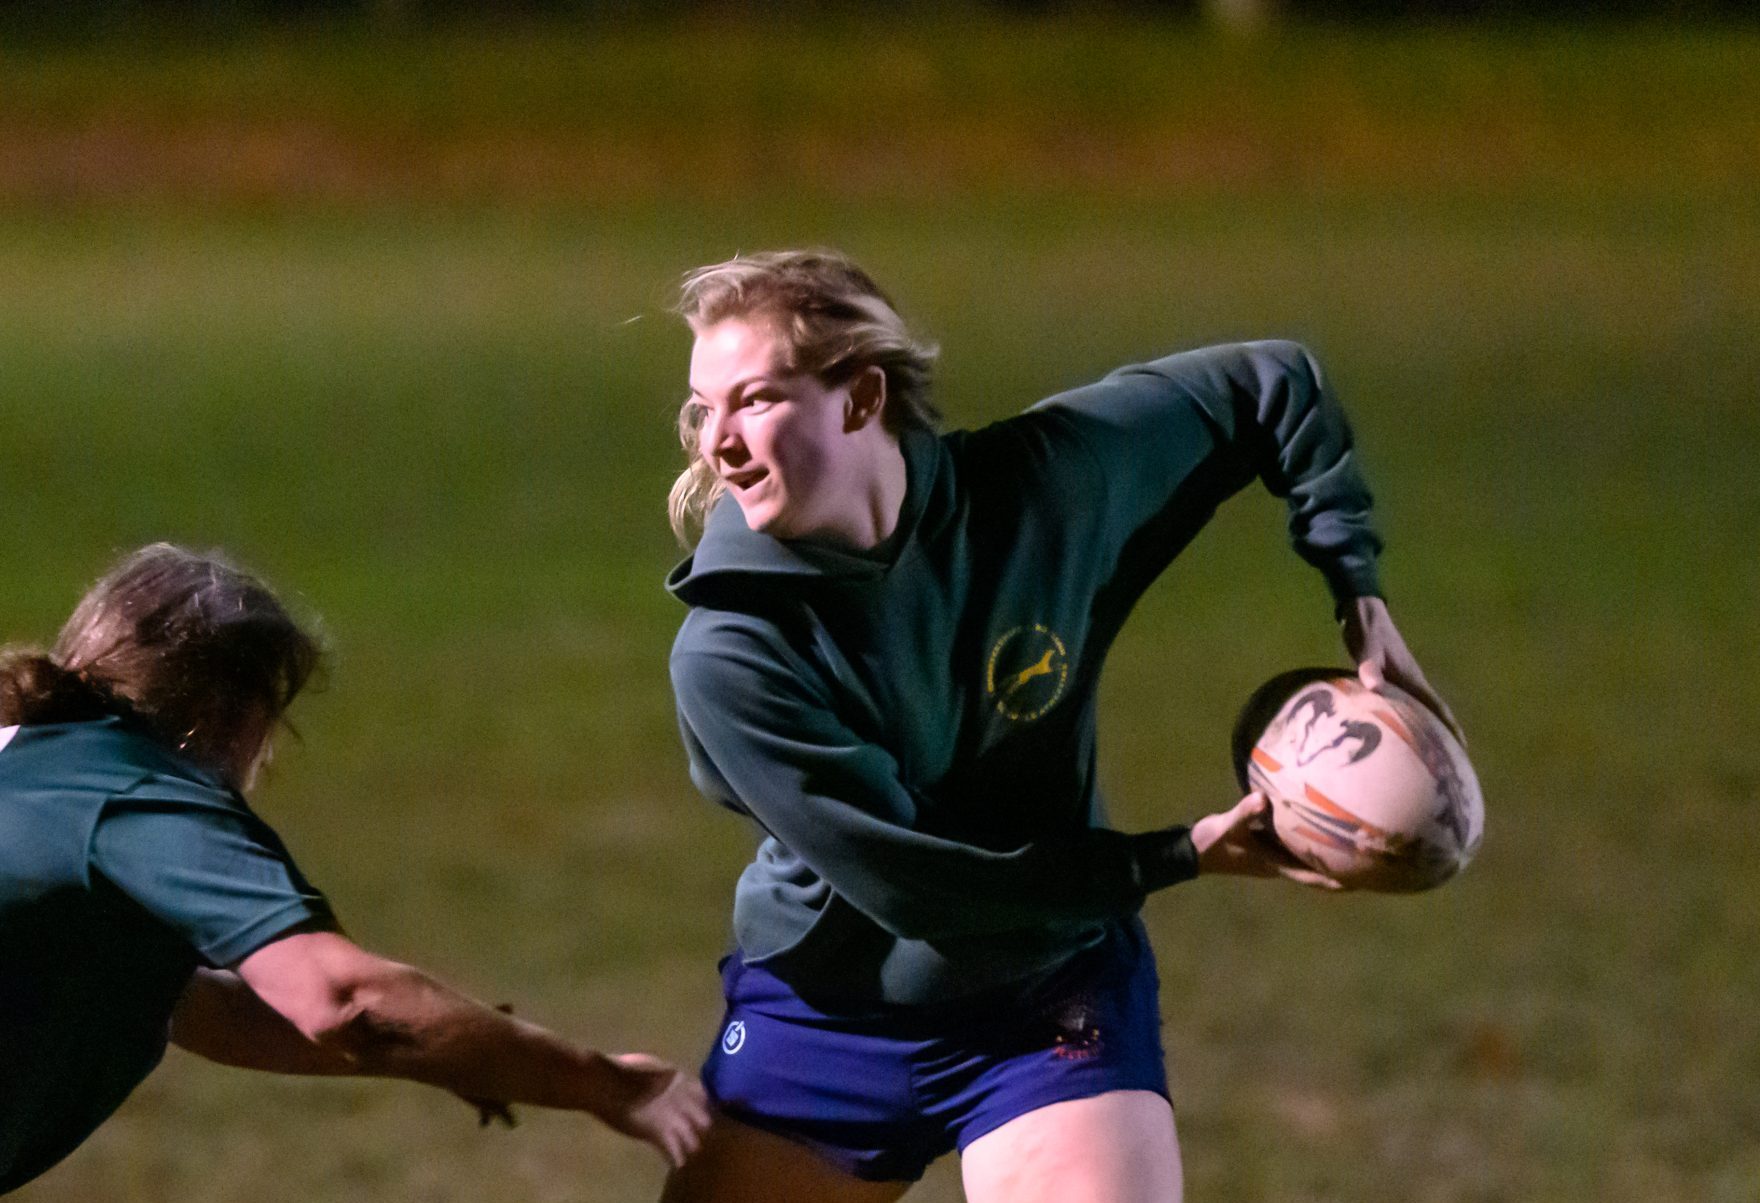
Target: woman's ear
<point x="867" y="398"/>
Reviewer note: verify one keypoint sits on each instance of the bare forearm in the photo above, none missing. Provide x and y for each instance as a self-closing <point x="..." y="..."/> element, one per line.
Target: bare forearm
<point x="386" y="1019"/>
<point x="359" y="1013"/>
<point x="407" y="1025"/>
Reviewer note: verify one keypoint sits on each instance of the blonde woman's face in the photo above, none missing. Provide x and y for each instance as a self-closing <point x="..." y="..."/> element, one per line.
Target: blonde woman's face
<point x="780" y="442"/>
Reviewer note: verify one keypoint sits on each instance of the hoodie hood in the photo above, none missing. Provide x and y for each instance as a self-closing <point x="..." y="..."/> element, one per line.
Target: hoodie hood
<point x="732" y="553"/>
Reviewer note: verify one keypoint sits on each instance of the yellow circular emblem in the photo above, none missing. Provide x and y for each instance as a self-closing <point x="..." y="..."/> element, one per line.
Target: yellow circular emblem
<point x="1026" y="673"/>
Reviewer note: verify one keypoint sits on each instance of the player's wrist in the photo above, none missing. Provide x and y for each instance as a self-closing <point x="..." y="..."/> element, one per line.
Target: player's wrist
<point x="1355" y="605"/>
<point x="1164" y="858"/>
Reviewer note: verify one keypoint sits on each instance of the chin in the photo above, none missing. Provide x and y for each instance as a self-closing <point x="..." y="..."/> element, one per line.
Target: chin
<point x="771" y="514"/>
<point x="766" y="519"/>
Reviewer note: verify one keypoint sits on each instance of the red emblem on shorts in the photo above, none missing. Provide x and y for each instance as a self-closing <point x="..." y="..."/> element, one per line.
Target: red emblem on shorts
<point x="1078" y="1033"/>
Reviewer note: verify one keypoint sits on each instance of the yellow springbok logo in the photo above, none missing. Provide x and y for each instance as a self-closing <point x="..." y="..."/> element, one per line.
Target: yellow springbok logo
<point x="1027" y="672"/>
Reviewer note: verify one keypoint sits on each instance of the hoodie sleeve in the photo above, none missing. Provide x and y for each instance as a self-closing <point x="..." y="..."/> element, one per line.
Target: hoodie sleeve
<point x="760" y="740"/>
<point x="1170" y="440"/>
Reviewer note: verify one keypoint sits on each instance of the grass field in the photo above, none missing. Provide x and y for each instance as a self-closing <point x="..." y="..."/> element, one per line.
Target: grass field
<point x="444" y="425"/>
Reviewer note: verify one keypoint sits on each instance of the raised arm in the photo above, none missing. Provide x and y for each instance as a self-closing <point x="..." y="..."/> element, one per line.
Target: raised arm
<point x="1171" y="439"/>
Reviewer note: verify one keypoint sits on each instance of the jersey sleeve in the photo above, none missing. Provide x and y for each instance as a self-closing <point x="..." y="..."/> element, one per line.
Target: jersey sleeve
<point x="1168" y="441"/>
<point x="761" y="741"/>
<point x="204" y="865"/>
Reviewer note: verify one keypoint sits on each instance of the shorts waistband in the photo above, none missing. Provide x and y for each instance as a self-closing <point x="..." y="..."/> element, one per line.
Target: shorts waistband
<point x="754" y="985"/>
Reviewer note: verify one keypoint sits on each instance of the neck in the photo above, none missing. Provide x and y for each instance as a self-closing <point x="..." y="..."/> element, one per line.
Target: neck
<point x="871" y="516"/>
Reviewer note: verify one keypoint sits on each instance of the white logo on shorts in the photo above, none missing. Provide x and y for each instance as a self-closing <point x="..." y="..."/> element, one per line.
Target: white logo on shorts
<point x="734" y="1038"/>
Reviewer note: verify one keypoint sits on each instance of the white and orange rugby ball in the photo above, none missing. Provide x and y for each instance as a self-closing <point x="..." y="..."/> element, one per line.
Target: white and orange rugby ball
<point x="1366" y="787"/>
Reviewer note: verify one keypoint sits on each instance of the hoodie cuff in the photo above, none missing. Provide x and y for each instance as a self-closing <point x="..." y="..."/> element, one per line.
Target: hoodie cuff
<point x="1164" y="858"/>
<point x="1351" y="577"/>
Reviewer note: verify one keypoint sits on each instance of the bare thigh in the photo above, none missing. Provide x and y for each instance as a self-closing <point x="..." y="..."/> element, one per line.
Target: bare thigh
<point x="741" y="1164"/>
<point x="1119" y="1147"/>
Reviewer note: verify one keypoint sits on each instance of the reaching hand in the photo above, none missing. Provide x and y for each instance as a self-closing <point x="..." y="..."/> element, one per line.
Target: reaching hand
<point x="660" y="1104"/>
<point x="1381" y="657"/>
<point x="1239" y="842"/>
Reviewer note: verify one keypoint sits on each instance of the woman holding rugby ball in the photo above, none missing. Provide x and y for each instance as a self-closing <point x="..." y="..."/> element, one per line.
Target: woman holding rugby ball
<point x="890" y="663"/>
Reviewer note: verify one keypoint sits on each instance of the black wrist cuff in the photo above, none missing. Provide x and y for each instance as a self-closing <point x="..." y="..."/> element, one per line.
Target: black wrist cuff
<point x="1164" y="858"/>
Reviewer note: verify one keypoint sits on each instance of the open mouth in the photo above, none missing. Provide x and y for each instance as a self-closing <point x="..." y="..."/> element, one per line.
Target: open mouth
<point x="745" y="480"/>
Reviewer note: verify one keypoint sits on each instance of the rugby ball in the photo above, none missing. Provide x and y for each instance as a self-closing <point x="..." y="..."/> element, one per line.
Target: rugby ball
<point x="1367" y="787"/>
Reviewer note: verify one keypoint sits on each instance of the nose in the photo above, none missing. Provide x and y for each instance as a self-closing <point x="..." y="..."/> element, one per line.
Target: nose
<point x="721" y="437"/>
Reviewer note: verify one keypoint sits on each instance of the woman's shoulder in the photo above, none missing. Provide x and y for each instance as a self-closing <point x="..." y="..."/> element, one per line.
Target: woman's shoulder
<point x="1024" y="455"/>
<point x="109" y="757"/>
<point x="761" y="626"/>
<point x="714" y="628"/>
<point x="718" y="649"/>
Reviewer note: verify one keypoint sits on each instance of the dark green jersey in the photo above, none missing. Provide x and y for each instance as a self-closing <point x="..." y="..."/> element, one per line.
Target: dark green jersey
<point x="914" y="732"/>
<point x="123" y="867"/>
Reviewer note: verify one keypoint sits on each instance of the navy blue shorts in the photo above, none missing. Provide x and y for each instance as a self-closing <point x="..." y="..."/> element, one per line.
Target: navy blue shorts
<point x="882" y="1097"/>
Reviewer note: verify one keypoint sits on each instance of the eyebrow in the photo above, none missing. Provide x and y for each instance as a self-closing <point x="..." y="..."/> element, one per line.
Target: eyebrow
<point x="740" y="385"/>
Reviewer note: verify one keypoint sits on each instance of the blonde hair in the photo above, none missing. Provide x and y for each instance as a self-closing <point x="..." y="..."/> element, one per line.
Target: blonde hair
<point x="835" y="322"/>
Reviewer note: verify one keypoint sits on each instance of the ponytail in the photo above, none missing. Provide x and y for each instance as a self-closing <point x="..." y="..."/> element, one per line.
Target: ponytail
<point x="34" y="689"/>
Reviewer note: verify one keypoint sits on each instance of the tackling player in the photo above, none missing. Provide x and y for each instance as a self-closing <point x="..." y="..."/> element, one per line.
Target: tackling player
<point x="141" y="897"/>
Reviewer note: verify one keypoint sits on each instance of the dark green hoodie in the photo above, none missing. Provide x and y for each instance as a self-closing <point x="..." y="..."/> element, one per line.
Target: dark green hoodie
<point x="914" y="732"/>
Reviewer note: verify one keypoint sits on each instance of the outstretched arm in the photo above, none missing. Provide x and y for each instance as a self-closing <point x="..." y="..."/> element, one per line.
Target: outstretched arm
<point x="222" y="1019"/>
<point x="305" y="999"/>
<point x="316" y="1003"/>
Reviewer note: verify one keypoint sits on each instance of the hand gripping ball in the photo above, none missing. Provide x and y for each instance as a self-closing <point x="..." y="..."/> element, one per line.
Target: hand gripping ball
<point x="1366" y="787"/>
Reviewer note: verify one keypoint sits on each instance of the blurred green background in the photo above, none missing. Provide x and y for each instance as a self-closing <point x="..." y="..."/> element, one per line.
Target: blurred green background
<point x="381" y="310"/>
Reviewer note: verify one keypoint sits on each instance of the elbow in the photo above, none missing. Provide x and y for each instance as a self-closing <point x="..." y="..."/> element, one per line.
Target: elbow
<point x="1295" y="360"/>
<point x="333" y="1028"/>
<point x="354" y="1026"/>
<point x="1280" y="359"/>
<point x="1288" y="352"/>
<point x="373" y="1044"/>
